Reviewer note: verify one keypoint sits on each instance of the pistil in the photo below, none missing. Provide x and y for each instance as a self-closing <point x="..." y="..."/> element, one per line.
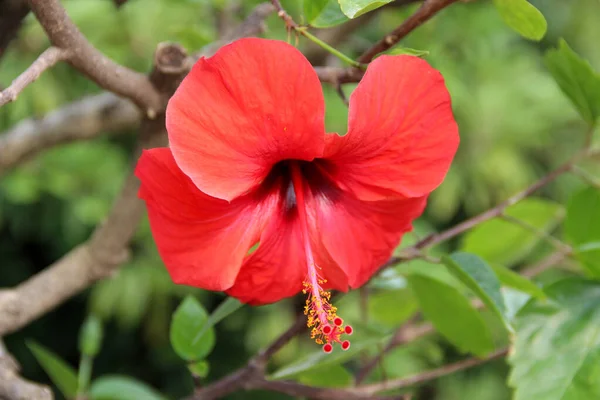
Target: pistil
<point x="327" y="327"/>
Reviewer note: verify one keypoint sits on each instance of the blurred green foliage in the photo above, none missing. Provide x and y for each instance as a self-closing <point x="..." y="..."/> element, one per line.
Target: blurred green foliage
<point x="515" y="125"/>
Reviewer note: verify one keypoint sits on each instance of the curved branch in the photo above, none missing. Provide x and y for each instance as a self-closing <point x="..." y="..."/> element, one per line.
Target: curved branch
<point x="86" y="58"/>
<point x="13" y="387"/>
<point x="81" y="120"/>
<point x="427" y="10"/>
<point x="107" y="249"/>
<point x="47" y="59"/>
<point x="94" y="115"/>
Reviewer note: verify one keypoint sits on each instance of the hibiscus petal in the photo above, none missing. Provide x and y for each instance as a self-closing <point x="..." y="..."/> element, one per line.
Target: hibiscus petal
<point x="278" y="267"/>
<point x="361" y="236"/>
<point x="202" y="240"/>
<point x="236" y="114"/>
<point x="401" y="132"/>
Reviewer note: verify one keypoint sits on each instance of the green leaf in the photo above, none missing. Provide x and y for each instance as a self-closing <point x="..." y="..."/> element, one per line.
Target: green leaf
<point x="388" y="279"/>
<point x="319" y="359"/>
<point x="90" y="337"/>
<point x="513" y="280"/>
<point x="356" y="8"/>
<point x="478" y="276"/>
<point x="515" y="300"/>
<point x="227" y="307"/>
<point x="323" y="13"/>
<point x="188" y="320"/>
<point x="452" y="314"/>
<point x="582" y="227"/>
<point x="394" y="51"/>
<point x="583" y="216"/>
<point x="503" y="242"/>
<point x="557" y="349"/>
<point x="199" y="368"/>
<point x="117" y="387"/>
<point x="577" y="80"/>
<point x="522" y="17"/>
<point x="61" y="373"/>
<point x="331" y="376"/>
<point x="392" y="307"/>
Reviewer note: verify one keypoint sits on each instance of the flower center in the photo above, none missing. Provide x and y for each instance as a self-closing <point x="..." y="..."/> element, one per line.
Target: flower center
<point x="327" y="327"/>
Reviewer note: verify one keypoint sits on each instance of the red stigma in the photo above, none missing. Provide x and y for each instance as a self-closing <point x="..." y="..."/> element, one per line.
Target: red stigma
<point x="326" y="329"/>
<point x="328" y="348"/>
<point x="338" y="321"/>
<point x="345" y="345"/>
<point x="348" y="329"/>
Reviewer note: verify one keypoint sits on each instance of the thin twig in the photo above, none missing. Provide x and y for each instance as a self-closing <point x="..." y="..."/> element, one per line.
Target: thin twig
<point x="406" y="333"/>
<point x="107" y="249"/>
<point x="427" y="10"/>
<point x="82" y="120"/>
<point x="249" y="379"/>
<point x="562" y="247"/>
<point x="302" y="30"/>
<point x="434" y="239"/>
<point x="297" y="327"/>
<point x="109" y="75"/>
<point x="544" y="264"/>
<point x="586" y="176"/>
<point x="94" y="115"/>
<point x="46" y="60"/>
<point x="431" y="375"/>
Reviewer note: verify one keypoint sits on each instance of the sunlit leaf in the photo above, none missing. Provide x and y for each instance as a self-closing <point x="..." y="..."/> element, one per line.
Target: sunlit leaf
<point x="556" y="354"/>
<point x="394" y="51"/>
<point x="523" y="17"/>
<point x="515" y="300"/>
<point x="90" y="337"/>
<point x="502" y="242"/>
<point x="117" y="387"/>
<point x="323" y="13"/>
<point x="513" y="280"/>
<point x="392" y="307"/>
<point x="356" y="8"/>
<point x="329" y="376"/>
<point x="478" y="276"/>
<point x="228" y="306"/>
<point x="452" y="315"/>
<point x="576" y="78"/>
<point x="188" y="320"/>
<point x="319" y="359"/>
<point x="582" y="227"/>
<point x="61" y="373"/>
<point x="199" y="368"/>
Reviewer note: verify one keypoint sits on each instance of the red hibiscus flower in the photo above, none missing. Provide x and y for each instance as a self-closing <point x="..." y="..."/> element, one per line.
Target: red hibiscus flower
<point x="250" y="164"/>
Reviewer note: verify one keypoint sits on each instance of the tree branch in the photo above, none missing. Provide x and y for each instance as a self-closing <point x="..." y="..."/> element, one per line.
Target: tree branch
<point x="427" y="10"/>
<point x="13" y="387"/>
<point x="46" y="60"/>
<point x="94" y="115"/>
<point x="81" y="120"/>
<point x="431" y="375"/>
<point x="253" y="25"/>
<point x="405" y="334"/>
<point x="107" y="249"/>
<point x="252" y="377"/>
<point x="86" y="58"/>
<point x="434" y="239"/>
